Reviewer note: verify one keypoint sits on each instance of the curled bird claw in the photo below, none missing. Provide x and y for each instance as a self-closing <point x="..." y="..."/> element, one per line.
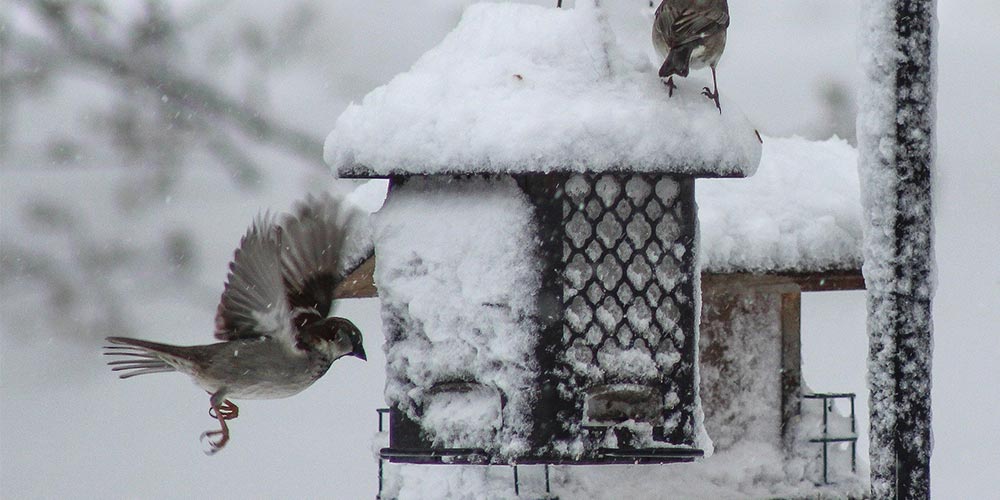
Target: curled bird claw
<point x="215" y="446"/>
<point x="221" y="412"/>
<point x="707" y="92"/>
<point x="670" y="86"/>
<point x="227" y="411"/>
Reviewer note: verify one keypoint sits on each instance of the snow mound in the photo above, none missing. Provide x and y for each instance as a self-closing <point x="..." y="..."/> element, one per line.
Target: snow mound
<point x="800" y="212"/>
<point x="522" y="88"/>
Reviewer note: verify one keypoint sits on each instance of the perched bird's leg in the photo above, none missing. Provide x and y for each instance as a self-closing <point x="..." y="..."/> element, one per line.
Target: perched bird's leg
<point x="227" y="410"/>
<point x="713" y="95"/>
<point x="670" y="86"/>
<point x="221" y="416"/>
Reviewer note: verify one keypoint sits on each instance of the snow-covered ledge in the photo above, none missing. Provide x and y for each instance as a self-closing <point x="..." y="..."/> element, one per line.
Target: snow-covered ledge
<point x="800" y="213"/>
<point x="521" y="88"/>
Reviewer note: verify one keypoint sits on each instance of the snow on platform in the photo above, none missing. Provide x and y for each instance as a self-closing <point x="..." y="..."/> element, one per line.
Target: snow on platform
<point x="522" y="88"/>
<point x="801" y="212"/>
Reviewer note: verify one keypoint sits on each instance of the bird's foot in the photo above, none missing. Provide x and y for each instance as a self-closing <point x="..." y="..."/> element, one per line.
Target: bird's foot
<point x="221" y="412"/>
<point x="227" y="411"/>
<point x="215" y="445"/>
<point x="670" y="86"/>
<point x="707" y="92"/>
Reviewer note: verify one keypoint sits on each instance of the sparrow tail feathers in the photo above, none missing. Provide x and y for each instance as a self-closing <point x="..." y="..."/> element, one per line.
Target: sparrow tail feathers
<point x="144" y="357"/>
<point x="678" y="61"/>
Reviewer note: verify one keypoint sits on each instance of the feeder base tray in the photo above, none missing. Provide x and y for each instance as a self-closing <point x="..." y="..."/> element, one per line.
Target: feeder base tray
<point x="603" y="456"/>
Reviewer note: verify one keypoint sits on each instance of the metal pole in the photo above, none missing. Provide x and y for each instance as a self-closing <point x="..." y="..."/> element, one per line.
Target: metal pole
<point x="381" y="461"/>
<point x="826" y="444"/>
<point x="517" y="485"/>
<point x="548" y="488"/>
<point x="854" y="444"/>
<point x="896" y="146"/>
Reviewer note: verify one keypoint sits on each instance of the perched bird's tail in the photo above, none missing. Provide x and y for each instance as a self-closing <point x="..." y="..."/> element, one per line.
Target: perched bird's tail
<point x="143" y="356"/>
<point x="678" y="61"/>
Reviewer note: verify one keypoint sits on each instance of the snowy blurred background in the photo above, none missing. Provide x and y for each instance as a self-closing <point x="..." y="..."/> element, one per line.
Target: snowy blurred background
<point x="139" y="138"/>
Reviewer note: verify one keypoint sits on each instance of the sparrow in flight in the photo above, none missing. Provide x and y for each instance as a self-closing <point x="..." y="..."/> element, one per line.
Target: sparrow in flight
<point x="275" y="335"/>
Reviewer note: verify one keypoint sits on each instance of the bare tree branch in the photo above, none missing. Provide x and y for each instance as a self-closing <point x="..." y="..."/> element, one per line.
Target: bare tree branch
<point x="171" y="82"/>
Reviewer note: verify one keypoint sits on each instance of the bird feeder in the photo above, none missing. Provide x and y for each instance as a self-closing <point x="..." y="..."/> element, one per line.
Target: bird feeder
<point x="537" y="251"/>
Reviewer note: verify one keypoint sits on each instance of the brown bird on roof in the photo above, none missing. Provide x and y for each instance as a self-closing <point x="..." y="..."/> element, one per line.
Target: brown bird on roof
<point x="691" y="34"/>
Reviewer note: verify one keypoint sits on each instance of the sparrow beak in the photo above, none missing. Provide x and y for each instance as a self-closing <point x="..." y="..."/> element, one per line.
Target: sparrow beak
<point x="359" y="352"/>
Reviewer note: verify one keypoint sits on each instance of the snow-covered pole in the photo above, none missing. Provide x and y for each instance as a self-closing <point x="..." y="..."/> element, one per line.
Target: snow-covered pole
<point x="896" y="139"/>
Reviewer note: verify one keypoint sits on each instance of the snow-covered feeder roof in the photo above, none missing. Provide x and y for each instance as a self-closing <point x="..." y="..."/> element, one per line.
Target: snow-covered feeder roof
<point x="801" y="212"/>
<point x="528" y="89"/>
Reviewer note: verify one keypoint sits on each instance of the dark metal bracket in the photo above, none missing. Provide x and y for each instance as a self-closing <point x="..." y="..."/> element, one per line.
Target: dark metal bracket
<point x="826" y="438"/>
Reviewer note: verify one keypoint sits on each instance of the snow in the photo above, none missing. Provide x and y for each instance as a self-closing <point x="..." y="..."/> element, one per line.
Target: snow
<point x="369" y="196"/>
<point x="799" y="212"/>
<point x="458" y="284"/>
<point x="521" y="88"/>
<point x="467" y="413"/>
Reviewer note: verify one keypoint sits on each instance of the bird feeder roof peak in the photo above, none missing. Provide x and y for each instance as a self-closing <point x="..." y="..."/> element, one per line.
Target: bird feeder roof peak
<point x="525" y="89"/>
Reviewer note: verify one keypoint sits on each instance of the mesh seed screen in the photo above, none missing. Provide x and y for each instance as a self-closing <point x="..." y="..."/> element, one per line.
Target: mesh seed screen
<point x="628" y="302"/>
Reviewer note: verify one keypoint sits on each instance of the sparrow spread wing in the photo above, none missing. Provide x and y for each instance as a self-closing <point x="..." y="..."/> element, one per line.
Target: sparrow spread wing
<point x="311" y="255"/>
<point x="253" y="302"/>
<point x="687" y="24"/>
